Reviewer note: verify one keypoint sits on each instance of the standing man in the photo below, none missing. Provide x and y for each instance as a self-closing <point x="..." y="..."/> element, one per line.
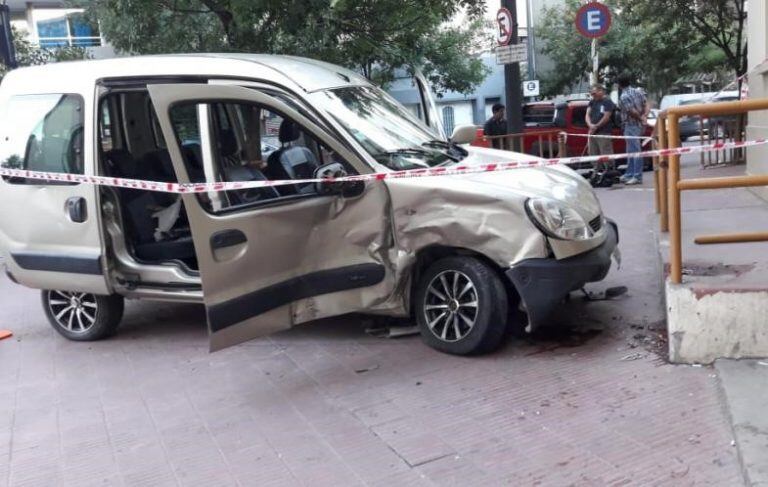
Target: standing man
<point x="599" y="114"/>
<point x="496" y="125"/>
<point x="634" y="112"/>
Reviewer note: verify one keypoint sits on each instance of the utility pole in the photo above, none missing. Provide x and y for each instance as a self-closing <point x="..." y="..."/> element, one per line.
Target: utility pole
<point x="512" y="87"/>
<point x="530" y="40"/>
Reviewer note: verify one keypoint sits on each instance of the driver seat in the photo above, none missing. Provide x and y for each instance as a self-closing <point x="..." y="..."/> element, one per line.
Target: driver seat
<point x="291" y="162"/>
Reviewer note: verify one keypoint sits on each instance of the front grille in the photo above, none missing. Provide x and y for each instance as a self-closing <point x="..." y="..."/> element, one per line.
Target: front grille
<point x="596" y="223"/>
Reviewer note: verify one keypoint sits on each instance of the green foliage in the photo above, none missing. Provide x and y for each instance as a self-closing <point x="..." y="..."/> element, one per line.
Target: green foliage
<point x="372" y="36"/>
<point x="656" y="49"/>
<point x="28" y="54"/>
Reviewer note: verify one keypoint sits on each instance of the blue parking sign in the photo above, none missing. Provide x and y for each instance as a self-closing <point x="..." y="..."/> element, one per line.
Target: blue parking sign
<point x="593" y="20"/>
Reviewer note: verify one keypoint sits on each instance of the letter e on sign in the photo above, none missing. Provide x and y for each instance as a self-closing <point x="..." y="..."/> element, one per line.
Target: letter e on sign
<point x="505" y="24"/>
<point x="593" y="20"/>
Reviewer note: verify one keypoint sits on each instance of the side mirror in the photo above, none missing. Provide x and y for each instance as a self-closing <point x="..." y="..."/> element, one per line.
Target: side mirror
<point x="464" y="134"/>
<point x="348" y="189"/>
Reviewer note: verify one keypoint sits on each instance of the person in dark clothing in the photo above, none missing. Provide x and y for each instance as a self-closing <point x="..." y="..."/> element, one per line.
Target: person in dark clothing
<point x="496" y="125"/>
<point x="599" y="114"/>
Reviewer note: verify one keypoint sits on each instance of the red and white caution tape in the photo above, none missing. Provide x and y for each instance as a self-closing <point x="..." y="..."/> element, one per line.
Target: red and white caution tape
<point x="180" y="188"/>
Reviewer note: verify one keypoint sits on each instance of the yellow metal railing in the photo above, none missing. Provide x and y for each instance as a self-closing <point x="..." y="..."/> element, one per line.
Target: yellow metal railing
<point x="669" y="185"/>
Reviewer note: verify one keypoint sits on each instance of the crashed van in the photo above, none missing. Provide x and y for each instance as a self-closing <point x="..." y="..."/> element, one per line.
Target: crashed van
<point x="466" y="256"/>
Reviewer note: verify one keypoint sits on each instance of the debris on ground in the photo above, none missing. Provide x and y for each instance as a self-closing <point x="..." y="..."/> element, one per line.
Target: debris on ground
<point x="610" y="293"/>
<point x="367" y="369"/>
<point x="632" y="356"/>
<point x="391" y="328"/>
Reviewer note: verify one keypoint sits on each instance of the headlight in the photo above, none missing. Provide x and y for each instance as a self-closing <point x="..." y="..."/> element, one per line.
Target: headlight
<point x="557" y="220"/>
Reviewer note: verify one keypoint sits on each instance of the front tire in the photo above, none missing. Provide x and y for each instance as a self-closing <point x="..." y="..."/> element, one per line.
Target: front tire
<point x="461" y="306"/>
<point x="83" y="317"/>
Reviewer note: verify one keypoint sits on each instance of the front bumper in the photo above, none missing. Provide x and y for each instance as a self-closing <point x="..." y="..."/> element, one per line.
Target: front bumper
<point x="544" y="283"/>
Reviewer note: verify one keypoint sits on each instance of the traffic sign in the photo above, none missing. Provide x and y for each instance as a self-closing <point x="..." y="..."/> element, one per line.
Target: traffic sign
<point x="531" y="87"/>
<point x="505" y="23"/>
<point x="593" y="20"/>
<point x="514" y="53"/>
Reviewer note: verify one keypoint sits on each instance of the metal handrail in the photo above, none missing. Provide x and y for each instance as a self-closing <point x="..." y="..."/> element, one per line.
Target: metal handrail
<point x="669" y="207"/>
<point x="552" y="137"/>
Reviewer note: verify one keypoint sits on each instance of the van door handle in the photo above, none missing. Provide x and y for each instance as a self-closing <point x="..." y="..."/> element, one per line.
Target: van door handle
<point x="227" y="238"/>
<point x="77" y="210"/>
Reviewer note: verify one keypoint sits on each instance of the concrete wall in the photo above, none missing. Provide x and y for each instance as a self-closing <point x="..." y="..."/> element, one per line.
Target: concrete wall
<point x="707" y="324"/>
<point x="757" y="127"/>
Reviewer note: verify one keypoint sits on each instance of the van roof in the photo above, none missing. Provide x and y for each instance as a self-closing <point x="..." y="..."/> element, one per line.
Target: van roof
<point x="307" y="74"/>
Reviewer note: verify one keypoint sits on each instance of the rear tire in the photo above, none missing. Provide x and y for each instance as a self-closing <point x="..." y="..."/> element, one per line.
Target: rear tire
<point x="83" y="317"/>
<point x="461" y="306"/>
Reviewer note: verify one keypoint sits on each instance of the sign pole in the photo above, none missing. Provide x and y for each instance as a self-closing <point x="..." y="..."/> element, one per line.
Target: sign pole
<point x="595" y="63"/>
<point x="512" y="90"/>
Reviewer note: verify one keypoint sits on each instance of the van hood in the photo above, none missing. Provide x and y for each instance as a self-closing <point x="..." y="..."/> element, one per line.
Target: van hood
<point x="555" y="182"/>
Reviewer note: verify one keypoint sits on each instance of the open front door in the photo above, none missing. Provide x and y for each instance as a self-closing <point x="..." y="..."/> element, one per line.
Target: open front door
<point x="50" y="231"/>
<point x="428" y="106"/>
<point x="272" y="257"/>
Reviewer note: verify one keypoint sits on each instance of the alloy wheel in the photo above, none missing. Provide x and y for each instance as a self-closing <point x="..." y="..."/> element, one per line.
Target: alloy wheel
<point x="75" y="312"/>
<point x="451" y="305"/>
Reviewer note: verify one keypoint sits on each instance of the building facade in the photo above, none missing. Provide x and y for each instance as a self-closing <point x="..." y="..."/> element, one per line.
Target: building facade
<point x="52" y="24"/>
<point x="456" y="108"/>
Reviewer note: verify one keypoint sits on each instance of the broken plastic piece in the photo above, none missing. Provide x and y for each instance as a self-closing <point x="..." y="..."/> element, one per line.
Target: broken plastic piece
<point x="392" y="331"/>
<point x="610" y="293"/>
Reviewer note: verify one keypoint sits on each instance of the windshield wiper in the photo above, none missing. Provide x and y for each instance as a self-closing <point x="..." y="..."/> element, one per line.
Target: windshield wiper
<point x="410" y="150"/>
<point x="437" y="143"/>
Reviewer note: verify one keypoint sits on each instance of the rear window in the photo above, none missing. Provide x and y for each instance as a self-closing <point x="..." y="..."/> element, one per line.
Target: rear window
<point x="45" y="133"/>
<point x="579" y="117"/>
<point x="539" y="115"/>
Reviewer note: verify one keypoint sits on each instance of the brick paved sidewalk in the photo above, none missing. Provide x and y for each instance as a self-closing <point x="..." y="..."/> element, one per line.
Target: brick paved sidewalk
<point x="324" y="404"/>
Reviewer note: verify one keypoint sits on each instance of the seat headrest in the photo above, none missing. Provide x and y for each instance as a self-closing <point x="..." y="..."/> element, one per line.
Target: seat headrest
<point x="289" y="131"/>
<point x="227" y="143"/>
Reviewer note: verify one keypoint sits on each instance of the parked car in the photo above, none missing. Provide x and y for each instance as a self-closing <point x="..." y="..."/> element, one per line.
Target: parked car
<point x="691" y="126"/>
<point x="467" y="257"/>
<point x="696" y="126"/>
<point x="569" y="117"/>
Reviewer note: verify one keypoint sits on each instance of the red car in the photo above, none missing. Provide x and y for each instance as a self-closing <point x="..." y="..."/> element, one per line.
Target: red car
<point x="544" y="118"/>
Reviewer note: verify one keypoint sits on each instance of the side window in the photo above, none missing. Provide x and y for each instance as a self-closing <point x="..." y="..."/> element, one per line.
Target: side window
<point x="233" y="142"/>
<point x="579" y="117"/>
<point x="46" y="134"/>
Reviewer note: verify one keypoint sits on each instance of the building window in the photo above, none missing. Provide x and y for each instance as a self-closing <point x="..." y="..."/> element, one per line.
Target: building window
<point x="65" y="28"/>
<point x="448" y="121"/>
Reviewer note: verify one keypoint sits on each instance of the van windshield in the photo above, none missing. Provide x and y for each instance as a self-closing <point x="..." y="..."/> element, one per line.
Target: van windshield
<point x="386" y="129"/>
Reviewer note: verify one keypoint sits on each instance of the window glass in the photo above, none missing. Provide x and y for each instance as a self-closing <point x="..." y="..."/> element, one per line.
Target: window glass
<point x="46" y="134"/>
<point x="248" y="142"/>
<point x="105" y="128"/>
<point x="58" y="27"/>
<point x="448" y="121"/>
<point x="539" y="115"/>
<point x="385" y="129"/>
<point x="579" y="117"/>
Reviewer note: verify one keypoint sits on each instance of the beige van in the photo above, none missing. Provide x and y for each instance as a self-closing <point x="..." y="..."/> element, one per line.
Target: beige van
<point x="467" y="256"/>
